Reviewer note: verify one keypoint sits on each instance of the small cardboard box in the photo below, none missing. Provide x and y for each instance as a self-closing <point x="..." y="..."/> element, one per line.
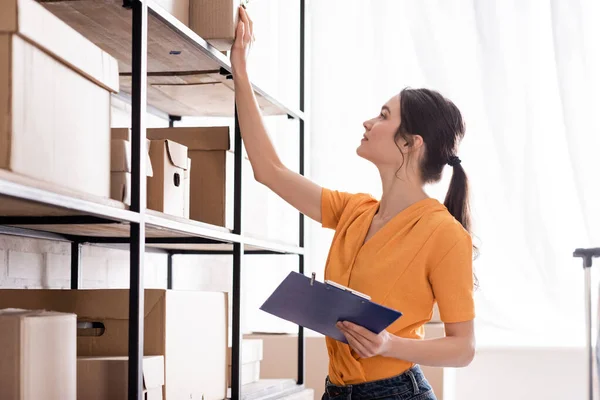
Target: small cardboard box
<point x="189" y="328"/>
<point x="252" y="355"/>
<point x="55" y="105"/>
<point x="120" y="164"/>
<point x="120" y="186"/>
<point x="38" y="355"/>
<point x="280" y="360"/>
<point x="120" y="151"/>
<point x="207" y="149"/>
<point x="105" y="378"/>
<point x="250" y="373"/>
<point x="252" y="351"/>
<point x="169" y="187"/>
<point x="215" y="20"/>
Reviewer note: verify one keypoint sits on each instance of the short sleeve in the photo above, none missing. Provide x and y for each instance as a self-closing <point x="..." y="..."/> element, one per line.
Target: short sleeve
<point x="333" y="204"/>
<point x="452" y="282"/>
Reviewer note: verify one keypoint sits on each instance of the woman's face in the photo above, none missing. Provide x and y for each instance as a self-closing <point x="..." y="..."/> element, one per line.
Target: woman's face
<point x="377" y="144"/>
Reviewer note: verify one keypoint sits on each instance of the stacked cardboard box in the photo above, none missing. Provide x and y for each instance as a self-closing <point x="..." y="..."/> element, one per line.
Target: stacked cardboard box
<point x="252" y="355"/>
<point x="46" y="131"/>
<point x="37" y="355"/>
<point x="188" y="328"/>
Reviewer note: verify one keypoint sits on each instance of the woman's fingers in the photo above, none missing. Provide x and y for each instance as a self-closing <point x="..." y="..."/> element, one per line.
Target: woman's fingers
<point x="247" y="25"/>
<point x="239" y="35"/>
<point x="355" y="344"/>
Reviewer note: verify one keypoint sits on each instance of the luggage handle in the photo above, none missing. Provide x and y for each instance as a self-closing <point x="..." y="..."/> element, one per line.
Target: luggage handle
<point x="588" y="255"/>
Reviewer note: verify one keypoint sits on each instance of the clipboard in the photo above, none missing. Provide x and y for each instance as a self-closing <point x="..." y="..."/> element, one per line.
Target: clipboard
<point x="319" y="306"/>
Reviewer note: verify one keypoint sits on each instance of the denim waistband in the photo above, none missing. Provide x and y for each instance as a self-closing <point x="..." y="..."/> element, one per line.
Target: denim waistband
<point x="406" y="385"/>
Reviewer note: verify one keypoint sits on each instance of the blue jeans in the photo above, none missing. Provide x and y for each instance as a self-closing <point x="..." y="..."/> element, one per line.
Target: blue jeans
<point x="411" y="385"/>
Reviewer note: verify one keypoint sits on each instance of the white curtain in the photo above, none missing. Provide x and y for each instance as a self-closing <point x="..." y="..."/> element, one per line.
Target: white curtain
<point x="525" y="74"/>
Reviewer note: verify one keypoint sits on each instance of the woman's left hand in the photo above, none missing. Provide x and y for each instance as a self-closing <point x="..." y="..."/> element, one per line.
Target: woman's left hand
<point x="364" y="342"/>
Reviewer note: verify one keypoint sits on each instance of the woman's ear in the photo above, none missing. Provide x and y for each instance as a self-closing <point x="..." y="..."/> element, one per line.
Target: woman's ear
<point x="416" y="142"/>
<point x="410" y="143"/>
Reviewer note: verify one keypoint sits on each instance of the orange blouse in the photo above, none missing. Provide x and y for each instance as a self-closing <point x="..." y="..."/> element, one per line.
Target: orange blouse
<point x="421" y="256"/>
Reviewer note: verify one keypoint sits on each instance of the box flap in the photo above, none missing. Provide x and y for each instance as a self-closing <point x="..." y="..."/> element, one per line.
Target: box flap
<point x="32" y="21"/>
<point x="154" y="372"/>
<point x="177" y="154"/>
<point x="125" y="134"/>
<point x="96" y="303"/>
<point x="195" y="138"/>
<point x="120" y="156"/>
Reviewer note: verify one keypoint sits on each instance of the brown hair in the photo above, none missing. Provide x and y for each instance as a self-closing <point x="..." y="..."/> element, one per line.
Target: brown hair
<point x="439" y="122"/>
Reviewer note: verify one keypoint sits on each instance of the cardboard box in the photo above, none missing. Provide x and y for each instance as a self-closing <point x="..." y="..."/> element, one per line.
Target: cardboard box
<point x="105" y="378"/>
<point x="210" y="201"/>
<point x="250" y="358"/>
<point x="252" y="351"/>
<point x="120" y="164"/>
<point x="120" y="186"/>
<point x="120" y="150"/>
<point x="250" y="373"/>
<point x="180" y="9"/>
<point x="215" y="21"/>
<point x="189" y="328"/>
<point x="280" y="359"/>
<point x="55" y="125"/>
<point x="169" y="187"/>
<point x="37" y="355"/>
<point x="153" y="394"/>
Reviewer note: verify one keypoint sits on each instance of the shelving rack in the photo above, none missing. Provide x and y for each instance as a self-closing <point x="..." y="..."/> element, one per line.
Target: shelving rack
<point x="57" y="214"/>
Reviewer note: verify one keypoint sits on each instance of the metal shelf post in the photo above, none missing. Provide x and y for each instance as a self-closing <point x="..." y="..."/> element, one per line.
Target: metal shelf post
<point x="238" y="258"/>
<point x="75" y="264"/>
<point x="138" y="198"/>
<point x="301" y="341"/>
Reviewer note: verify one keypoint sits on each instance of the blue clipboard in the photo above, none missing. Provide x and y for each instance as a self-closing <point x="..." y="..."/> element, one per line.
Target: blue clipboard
<point x="319" y="306"/>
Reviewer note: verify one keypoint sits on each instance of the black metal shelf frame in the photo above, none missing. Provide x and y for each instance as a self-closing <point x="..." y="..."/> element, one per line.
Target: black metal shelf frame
<point x="139" y="73"/>
<point x="139" y="220"/>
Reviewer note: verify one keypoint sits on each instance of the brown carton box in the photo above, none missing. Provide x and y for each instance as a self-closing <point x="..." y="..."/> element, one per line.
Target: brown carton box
<point x="46" y="131"/>
<point x="207" y="148"/>
<point x="215" y="20"/>
<point x="169" y="187"/>
<point x="105" y="378"/>
<point x="37" y="355"/>
<point x="189" y="328"/>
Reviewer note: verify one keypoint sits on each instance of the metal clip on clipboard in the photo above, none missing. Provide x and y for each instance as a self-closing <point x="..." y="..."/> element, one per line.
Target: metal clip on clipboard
<point x="347" y="289"/>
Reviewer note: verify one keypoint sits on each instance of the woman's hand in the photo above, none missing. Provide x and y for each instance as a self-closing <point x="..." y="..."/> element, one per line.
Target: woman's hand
<point x="244" y="36"/>
<point x="364" y="342"/>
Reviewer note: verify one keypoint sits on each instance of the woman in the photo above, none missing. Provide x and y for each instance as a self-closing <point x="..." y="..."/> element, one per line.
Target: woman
<point x="406" y="251"/>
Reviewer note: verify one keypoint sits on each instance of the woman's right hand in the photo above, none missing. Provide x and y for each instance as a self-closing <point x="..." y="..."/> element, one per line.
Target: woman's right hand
<point x="244" y="36"/>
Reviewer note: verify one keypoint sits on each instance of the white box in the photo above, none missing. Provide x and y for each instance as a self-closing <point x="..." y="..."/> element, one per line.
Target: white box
<point x="38" y="355"/>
